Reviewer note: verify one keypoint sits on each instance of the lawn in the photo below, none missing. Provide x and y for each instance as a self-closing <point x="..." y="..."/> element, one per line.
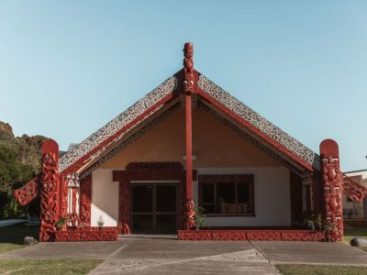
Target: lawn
<point x="54" y="267"/>
<point x="12" y="237"/>
<point x="320" y="269"/>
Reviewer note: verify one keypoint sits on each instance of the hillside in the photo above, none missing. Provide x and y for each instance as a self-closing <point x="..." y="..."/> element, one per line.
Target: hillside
<point x="20" y="160"/>
<point x="27" y="148"/>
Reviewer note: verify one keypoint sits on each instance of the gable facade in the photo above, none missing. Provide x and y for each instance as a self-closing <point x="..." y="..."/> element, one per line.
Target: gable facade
<point x="189" y="149"/>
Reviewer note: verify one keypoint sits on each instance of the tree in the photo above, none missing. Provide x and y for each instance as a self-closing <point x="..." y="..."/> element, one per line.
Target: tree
<point x="9" y="169"/>
<point x="20" y="161"/>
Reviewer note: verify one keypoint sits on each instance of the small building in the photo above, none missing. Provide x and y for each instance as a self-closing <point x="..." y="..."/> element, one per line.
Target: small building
<point x="187" y="150"/>
<point x="356" y="211"/>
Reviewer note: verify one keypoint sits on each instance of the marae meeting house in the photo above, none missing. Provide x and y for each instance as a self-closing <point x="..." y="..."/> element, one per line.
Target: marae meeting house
<point x="188" y="149"/>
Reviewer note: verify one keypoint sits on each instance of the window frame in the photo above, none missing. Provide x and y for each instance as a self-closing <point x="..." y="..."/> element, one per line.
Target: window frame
<point x="229" y="179"/>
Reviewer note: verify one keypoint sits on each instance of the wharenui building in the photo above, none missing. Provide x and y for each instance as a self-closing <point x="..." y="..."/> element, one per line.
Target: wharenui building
<point x="188" y="158"/>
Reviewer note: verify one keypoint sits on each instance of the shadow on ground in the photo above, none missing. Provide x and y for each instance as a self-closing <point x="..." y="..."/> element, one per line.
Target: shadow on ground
<point x="16" y="234"/>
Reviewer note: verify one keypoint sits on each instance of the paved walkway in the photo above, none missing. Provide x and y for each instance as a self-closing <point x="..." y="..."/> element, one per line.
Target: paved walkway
<point x="312" y="253"/>
<point x="144" y="255"/>
<point x="167" y="256"/>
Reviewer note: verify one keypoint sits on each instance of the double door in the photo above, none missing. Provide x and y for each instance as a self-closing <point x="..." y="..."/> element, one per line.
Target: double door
<point x="154" y="207"/>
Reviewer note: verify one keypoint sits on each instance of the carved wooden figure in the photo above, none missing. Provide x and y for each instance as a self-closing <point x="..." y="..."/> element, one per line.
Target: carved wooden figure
<point x="189" y="76"/>
<point x="49" y="190"/>
<point x="333" y="189"/>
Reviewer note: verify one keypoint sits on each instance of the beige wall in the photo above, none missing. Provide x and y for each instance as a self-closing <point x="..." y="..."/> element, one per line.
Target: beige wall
<point x="218" y="150"/>
<point x="214" y="144"/>
<point x="105" y="194"/>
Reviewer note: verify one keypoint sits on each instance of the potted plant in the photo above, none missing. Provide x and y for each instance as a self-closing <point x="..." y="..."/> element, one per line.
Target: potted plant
<point x="200" y="220"/>
<point x="100" y="222"/>
<point x="318" y="222"/>
<point x="61" y="223"/>
<point x="310" y="224"/>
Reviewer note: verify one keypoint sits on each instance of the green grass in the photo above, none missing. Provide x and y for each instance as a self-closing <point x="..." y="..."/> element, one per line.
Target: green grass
<point x="320" y="269"/>
<point x="12" y="237"/>
<point x="54" y="267"/>
<point x="6" y="247"/>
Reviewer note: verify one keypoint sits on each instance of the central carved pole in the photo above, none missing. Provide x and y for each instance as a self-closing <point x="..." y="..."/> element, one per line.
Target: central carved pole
<point x="189" y="90"/>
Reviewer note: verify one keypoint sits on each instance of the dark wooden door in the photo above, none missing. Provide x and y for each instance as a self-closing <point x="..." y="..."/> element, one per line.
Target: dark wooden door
<point x="154" y="207"/>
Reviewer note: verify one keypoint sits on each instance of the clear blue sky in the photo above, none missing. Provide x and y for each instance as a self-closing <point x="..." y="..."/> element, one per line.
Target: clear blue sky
<point x="68" y="67"/>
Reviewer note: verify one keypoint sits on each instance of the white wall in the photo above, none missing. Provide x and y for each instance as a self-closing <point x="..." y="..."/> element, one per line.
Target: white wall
<point x="362" y="173"/>
<point x="271" y="194"/>
<point x="105" y="195"/>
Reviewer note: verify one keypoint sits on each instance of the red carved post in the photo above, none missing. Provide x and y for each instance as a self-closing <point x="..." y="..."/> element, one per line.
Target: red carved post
<point x="49" y="190"/>
<point x="63" y="193"/>
<point x="85" y="200"/>
<point x="333" y="189"/>
<point x="124" y="202"/>
<point x="189" y="89"/>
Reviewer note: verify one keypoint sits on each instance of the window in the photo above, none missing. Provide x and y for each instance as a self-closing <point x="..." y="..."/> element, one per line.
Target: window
<point x="227" y="195"/>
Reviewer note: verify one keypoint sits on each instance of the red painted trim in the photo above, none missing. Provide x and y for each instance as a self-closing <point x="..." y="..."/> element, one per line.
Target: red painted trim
<point x="250" y="235"/>
<point x="87" y="234"/>
<point x="85" y="200"/>
<point x="73" y="210"/>
<point x="146" y="171"/>
<point x="124" y="201"/>
<point x="189" y="212"/>
<point x="188" y="139"/>
<point x="78" y="163"/>
<point x="255" y="130"/>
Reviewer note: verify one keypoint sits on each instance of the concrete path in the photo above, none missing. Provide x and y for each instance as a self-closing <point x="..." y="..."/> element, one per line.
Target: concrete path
<point x="145" y="255"/>
<point x="311" y="253"/>
<point x="168" y="256"/>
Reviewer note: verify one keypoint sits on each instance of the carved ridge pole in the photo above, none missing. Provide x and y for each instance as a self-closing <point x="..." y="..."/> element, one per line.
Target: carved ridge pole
<point x="333" y="188"/>
<point x="189" y="89"/>
<point x="49" y="190"/>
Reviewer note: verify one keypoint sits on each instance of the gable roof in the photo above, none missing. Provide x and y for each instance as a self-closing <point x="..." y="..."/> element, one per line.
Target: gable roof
<point x="118" y="127"/>
<point x="259" y="125"/>
<point x="115" y="128"/>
